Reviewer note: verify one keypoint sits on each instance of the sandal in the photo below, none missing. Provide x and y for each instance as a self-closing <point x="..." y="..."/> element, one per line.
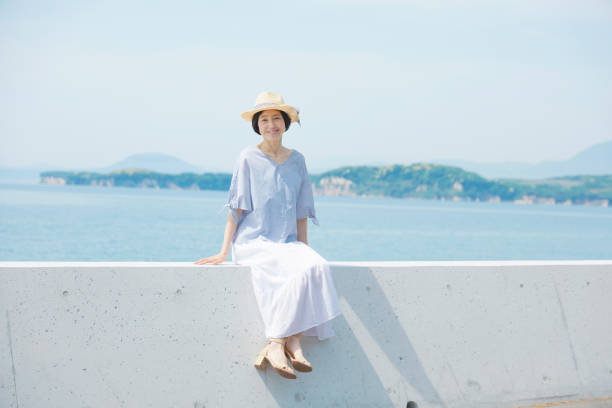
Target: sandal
<point x="299" y="362"/>
<point x="263" y="359"/>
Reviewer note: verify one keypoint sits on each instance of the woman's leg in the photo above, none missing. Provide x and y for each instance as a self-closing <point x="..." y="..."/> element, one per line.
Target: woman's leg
<point x="293" y="342"/>
<point x="274" y="353"/>
<point x="277" y="353"/>
<point x="295" y="354"/>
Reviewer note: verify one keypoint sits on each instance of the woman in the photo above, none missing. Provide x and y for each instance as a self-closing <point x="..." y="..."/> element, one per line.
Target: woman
<point x="270" y="199"/>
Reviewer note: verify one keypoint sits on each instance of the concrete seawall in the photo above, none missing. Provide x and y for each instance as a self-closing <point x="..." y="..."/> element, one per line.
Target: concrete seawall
<point x="439" y="334"/>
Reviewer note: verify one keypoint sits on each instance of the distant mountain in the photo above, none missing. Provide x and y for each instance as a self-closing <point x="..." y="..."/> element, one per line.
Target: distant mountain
<point x="156" y="162"/>
<point x="596" y="160"/>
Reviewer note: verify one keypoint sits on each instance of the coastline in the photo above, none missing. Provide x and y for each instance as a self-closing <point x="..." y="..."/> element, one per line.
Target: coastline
<point x="342" y="188"/>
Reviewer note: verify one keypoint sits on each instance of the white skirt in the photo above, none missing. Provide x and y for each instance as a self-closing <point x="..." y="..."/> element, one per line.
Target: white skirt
<point x="293" y="286"/>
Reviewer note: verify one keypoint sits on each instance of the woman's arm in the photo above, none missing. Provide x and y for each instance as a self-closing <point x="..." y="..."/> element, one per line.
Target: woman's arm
<point x="230" y="230"/>
<point x="302" y="230"/>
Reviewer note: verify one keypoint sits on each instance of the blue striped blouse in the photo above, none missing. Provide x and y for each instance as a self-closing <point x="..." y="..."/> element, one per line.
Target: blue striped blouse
<point x="273" y="196"/>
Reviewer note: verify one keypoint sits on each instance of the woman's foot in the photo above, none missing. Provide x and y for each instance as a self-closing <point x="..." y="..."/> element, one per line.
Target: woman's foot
<point x="293" y="350"/>
<point x="274" y="354"/>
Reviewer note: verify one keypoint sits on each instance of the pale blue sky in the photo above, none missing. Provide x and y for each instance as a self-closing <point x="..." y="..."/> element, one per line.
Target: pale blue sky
<point x="85" y="84"/>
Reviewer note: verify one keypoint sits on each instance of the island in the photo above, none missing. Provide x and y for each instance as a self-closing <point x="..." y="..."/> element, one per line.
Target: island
<point x="418" y="180"/>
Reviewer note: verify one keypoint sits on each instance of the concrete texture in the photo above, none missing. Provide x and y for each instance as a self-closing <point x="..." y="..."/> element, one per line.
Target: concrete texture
<point x="441" y="334"/>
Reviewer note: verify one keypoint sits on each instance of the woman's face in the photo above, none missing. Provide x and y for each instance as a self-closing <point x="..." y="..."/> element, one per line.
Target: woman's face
<point x="271" y="124"/>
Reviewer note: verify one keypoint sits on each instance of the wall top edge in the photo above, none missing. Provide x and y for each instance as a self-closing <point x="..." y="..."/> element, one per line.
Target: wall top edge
<point x="385" y="264"/>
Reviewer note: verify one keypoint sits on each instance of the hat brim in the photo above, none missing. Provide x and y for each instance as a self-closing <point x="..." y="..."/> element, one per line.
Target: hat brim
<point x="288" y="109"/>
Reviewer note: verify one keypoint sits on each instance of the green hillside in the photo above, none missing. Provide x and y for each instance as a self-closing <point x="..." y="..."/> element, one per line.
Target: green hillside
<point x="143" y="178"/>
<point x="433" y="181"/>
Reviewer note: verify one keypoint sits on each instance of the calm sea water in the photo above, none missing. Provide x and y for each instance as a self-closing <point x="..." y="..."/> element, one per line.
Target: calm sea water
<point x="79" y="223"/>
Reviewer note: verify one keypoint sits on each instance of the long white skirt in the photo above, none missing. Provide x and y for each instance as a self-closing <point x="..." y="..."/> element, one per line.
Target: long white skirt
<point x="293" y="286"/>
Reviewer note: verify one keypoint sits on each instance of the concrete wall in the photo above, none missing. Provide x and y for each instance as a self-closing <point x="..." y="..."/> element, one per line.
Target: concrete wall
<point x="441" y="334"/>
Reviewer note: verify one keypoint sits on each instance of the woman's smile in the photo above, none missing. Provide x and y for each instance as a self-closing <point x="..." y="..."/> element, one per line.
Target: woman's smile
<point x="271" y="123"/>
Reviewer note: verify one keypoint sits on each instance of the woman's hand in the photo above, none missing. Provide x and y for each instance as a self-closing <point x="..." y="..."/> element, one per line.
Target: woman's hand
<point x="230" y="230"/>
<point x="213" y="260"/>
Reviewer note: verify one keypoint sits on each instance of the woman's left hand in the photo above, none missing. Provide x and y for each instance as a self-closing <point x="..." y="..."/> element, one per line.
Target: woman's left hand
<point x="215" y="259"/>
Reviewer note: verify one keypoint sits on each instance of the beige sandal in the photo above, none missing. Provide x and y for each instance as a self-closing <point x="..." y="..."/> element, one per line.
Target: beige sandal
<point x="299" y="363"/>
<point x="263" y="359"/>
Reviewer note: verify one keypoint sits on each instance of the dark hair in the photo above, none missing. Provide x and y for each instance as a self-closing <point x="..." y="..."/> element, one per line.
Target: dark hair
<point x="258" y="114"/>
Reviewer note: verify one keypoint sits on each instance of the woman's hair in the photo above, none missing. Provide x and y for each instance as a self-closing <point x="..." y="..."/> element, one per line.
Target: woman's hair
<point x="258" y="114"/>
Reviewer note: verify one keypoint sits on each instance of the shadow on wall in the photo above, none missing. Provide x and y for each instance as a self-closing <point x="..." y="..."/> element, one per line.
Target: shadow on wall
<point x="343" y="371"/>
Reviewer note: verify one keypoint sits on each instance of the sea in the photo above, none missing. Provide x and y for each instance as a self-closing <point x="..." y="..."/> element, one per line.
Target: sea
<point x="90" y="223"/>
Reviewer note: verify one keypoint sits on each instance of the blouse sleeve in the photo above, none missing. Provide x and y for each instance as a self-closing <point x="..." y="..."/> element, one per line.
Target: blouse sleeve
<point x="240" y="189"/>
<point x="305" y="202"/>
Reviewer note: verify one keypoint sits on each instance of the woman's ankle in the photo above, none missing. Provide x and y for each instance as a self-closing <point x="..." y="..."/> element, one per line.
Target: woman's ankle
<point x="293" y="342"/>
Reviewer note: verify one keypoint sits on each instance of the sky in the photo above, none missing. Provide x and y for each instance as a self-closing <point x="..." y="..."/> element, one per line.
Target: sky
<point x="84" y="84"/>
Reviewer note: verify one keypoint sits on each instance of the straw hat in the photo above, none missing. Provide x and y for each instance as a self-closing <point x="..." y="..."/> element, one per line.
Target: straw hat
<point x="271" y="100"/>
